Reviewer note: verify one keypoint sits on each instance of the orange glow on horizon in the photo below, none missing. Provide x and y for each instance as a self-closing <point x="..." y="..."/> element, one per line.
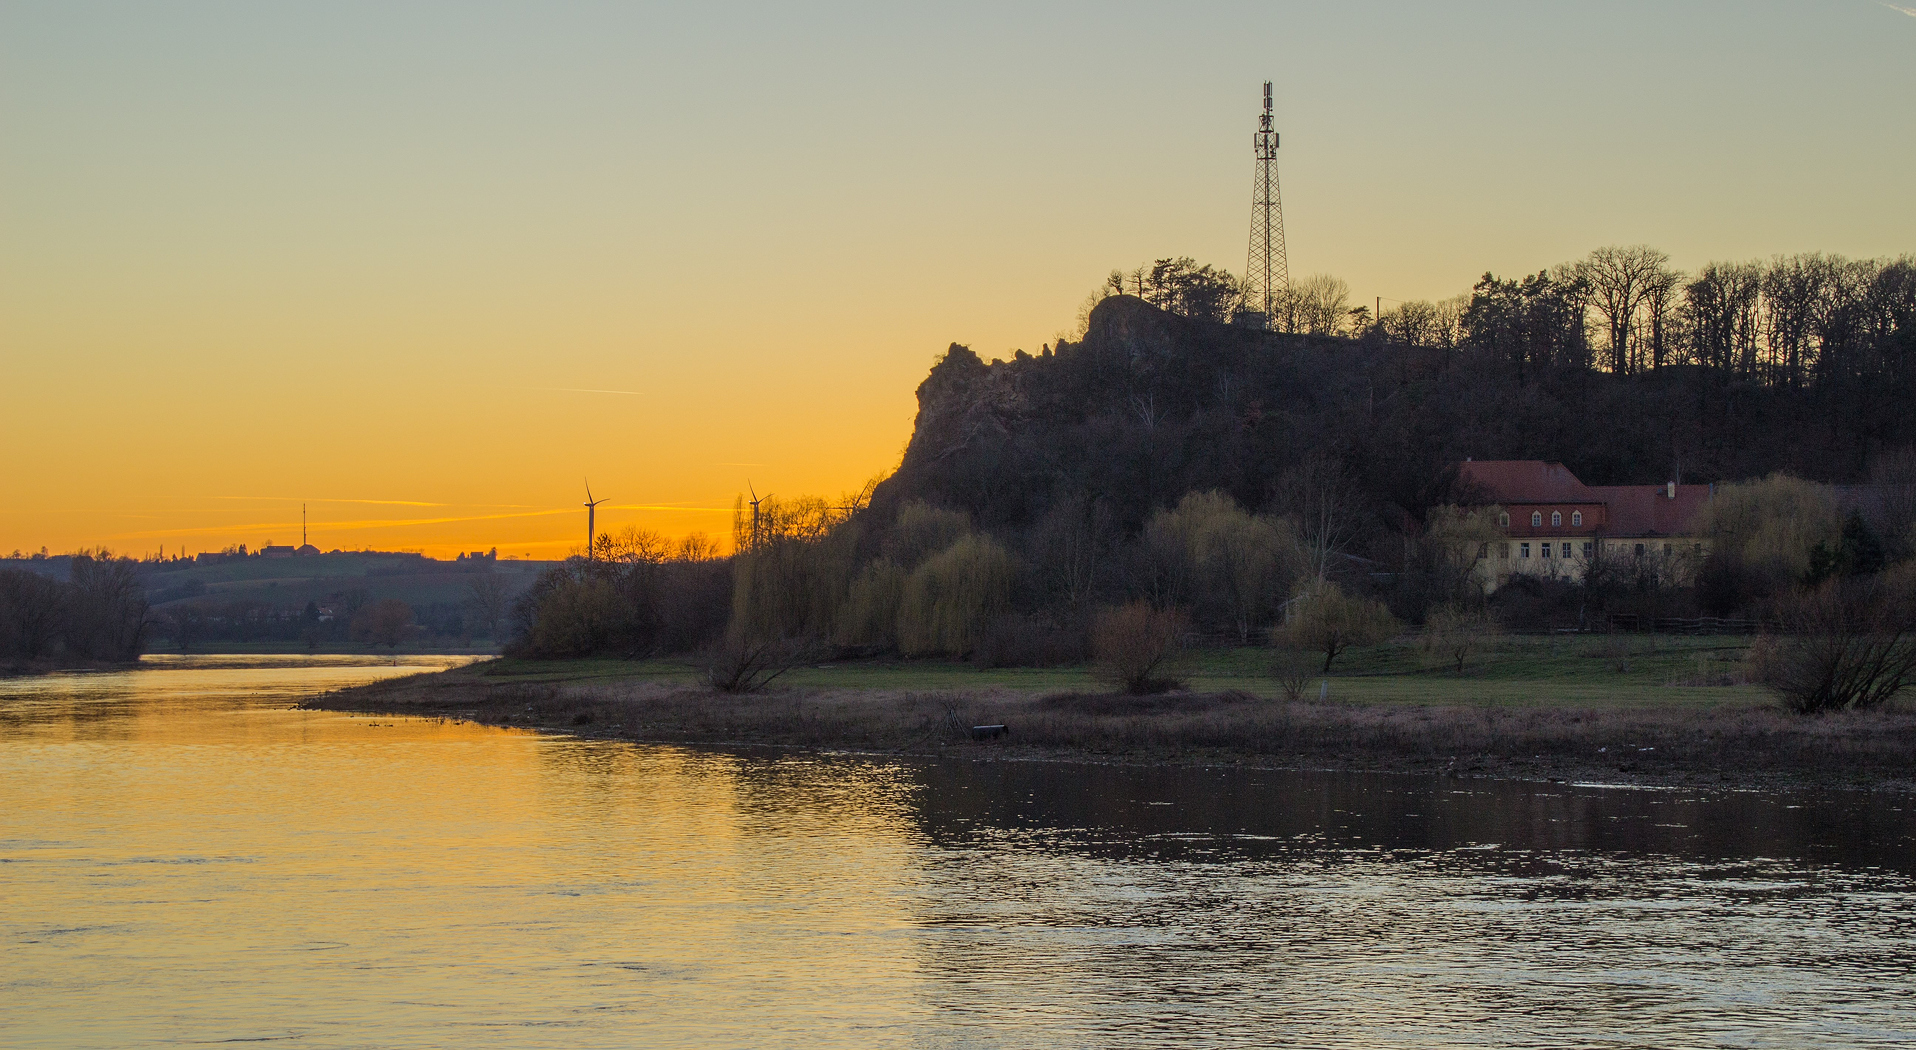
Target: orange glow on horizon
<point x="428" y="272"/>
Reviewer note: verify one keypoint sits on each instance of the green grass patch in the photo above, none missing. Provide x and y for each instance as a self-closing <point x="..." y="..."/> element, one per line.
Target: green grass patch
<point x="1555" y="671"/>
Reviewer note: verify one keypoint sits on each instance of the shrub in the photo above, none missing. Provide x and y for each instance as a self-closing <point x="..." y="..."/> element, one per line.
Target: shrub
<point x="1771" y="526"/>
<point x="923" y="530"/>
<point x="1293" y="671"/>
<point x="1132" y="643"/>
<point x="745" y="665"/>
<point x="566" y="615"/>
<point x="1328" y="621"/>
<point x="950" y="599"/>
<point x="1455" y="633"/>
<point x="793" y="584"/>
<point x="870" y="613"/>
<point x="1850" y="646"/>
<point x="1232" y="565"/>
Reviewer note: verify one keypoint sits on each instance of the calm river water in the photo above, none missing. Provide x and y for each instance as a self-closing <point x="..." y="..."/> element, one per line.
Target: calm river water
<point x="184" y="859"/>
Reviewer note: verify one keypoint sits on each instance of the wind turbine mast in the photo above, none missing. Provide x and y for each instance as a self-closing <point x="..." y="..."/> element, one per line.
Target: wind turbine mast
<point x="1268" y="270"/>
<point x="591" y="519"/>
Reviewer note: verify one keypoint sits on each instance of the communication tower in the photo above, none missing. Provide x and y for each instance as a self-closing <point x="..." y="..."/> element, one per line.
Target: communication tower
<point x="1268" y="270"/>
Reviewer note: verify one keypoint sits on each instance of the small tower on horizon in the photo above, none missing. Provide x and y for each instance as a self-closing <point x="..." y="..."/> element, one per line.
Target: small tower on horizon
<point x="1268" y="270"/>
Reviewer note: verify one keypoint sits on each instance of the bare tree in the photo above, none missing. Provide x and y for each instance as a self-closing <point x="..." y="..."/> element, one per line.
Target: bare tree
<point x="1722" y="308"/>
<point x="1622" y="282"/>
<point x="1791" y="288"/>
<point x="488" y="599"/>
<point x="1317" y="305"/>
<point x="1322" y="499"/>
<point x="1661" y="319"/>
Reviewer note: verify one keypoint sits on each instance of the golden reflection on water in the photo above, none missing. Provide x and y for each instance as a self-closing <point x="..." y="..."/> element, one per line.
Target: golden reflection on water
<point x="188" y="858"/>
<point x="182" y="865"/>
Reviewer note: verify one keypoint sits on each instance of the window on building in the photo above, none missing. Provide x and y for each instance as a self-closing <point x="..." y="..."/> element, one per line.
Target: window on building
<point x="1639" y="550"/>
<point x="1503" y="521"/>
<point x="1586" y="550"/>
<point x="1546" y="550"/>
<point x="1523" y="550"/>
<point x="1566" y="550"/>
<point x="1576" y="517"/>
<point x="1698" y="548"/>
<point x="1556" y="519"/>
<point x="1505" y="552"/>
<point x="1666" y="548"/>
<point x="1483" y="550"/>
<point x="1536" y="519"/>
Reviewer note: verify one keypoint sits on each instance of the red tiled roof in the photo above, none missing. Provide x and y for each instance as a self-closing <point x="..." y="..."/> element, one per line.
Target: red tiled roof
<point x="1630" y="510"/>
<point x="1648" y="510"/>
<point x="1524" y="481"/>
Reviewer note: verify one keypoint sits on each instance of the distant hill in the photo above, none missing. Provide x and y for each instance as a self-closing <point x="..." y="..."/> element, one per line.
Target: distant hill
<point x="289" y="583"/>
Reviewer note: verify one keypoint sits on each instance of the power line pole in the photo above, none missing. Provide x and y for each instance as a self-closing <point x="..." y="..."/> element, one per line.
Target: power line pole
<point x="1268" y="269"/>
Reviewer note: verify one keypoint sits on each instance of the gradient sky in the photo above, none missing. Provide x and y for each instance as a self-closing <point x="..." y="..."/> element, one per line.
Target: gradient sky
<point x="427" y="266"/>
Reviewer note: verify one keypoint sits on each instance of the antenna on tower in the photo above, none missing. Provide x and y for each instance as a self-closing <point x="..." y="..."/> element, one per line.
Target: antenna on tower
<point x="1268" y="270"/>
<point x="591" y="514"/>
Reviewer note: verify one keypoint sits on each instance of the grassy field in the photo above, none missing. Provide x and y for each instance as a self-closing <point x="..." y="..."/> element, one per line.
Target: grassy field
<point x="1554" y="671"/>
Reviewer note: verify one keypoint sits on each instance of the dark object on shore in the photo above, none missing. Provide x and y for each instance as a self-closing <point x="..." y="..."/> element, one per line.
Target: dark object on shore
<point x="988" y="732"/>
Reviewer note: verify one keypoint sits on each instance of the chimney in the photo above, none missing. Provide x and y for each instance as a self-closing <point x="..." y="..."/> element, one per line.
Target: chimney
<point x="1670" y="490"/>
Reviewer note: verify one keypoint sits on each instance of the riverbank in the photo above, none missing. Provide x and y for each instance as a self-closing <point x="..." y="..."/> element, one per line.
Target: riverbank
<point x="30" y="668"/>
<point x="1739" y="742"/>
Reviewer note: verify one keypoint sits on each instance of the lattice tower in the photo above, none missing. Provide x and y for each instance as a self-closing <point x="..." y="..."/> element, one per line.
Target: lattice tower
<point x="1268" y="268"/>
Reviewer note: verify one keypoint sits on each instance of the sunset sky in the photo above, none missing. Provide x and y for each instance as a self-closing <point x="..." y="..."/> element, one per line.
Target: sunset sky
<point x="426" y="267"/>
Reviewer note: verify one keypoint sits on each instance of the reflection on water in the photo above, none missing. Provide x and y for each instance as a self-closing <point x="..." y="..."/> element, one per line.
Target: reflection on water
<point x="187" y="859"/>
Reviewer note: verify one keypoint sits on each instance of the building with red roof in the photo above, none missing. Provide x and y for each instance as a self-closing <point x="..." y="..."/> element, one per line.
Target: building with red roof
<point x="1555" y="525"/>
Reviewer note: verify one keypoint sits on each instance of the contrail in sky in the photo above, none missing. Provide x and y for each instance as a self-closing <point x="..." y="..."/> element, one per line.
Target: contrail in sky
<point x="1910" y="11"/>
<point x="372" y="523"/>
<point x="381" y="502"/>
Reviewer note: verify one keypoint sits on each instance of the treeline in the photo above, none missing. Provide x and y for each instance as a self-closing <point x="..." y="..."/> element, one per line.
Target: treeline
<point x="98" y="614"/>
<point x="636" y="595"/>
<point x="1796" y="321"/>
<point x="352" y="617"/>
<point x="1845" y="326"/>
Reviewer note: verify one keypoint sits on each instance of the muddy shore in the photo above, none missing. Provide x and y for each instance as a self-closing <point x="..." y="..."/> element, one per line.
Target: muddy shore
<point x="1730" y="746"/>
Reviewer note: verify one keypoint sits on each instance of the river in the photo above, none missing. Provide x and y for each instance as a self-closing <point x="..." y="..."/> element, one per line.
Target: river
<point x="186" y="858"/>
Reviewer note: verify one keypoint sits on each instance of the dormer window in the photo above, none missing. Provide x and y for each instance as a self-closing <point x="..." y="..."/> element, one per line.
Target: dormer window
<point x="1576" y="517"/>
<point x="1556" y="519"/>
<point x="1536" y="519"/>
<point x="1503" y="521"/>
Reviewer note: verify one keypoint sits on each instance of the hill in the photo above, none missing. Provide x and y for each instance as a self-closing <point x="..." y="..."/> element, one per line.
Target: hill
<point x="1150" y="405"/>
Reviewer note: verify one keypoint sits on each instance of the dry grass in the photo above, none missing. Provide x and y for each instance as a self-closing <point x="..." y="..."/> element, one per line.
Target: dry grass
<point x="1718" y="744"/>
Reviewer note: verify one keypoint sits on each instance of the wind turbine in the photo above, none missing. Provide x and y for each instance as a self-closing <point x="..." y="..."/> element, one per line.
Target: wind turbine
<point x="755" y="502"/>
<point x="591" y="518"/>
